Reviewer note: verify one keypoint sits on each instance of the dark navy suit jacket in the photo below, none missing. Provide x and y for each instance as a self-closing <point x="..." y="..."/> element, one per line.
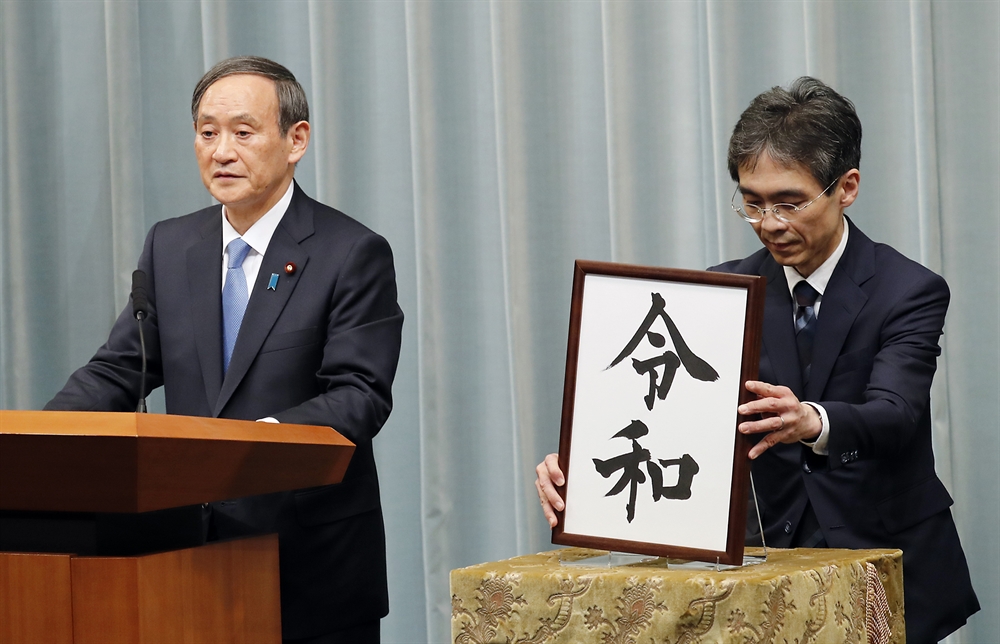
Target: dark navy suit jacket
<point x="874" y="358"/>
<point x="320" y="349"/>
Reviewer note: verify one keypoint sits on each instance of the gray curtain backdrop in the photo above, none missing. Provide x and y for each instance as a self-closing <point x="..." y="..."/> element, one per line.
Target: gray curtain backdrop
<point x="493" y="143"/>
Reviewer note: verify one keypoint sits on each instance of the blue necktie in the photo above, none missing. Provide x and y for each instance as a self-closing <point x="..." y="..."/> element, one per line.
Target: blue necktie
<point x="234" y="298"/>
<point x="805" y="324"/>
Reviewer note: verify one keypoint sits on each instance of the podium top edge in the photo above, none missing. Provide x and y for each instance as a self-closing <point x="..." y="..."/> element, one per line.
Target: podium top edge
<point x="168" y="426"/>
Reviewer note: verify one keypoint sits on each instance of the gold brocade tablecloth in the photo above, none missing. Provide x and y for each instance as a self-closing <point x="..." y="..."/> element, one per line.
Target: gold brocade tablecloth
<point x="795" y="597"/>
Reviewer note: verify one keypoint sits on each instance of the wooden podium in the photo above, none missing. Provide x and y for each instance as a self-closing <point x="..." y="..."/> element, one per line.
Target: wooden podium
<point x="89" y="462"/>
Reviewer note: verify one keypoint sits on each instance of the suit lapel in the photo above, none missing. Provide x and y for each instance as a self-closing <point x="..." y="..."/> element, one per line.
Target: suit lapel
<point x="779" y="331"/>
<point x="266" y="304"/>
<point x="204" y="275"/>
<point x="842" y="300"/>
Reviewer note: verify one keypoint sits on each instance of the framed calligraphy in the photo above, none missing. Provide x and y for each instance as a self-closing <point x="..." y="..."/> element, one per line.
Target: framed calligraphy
<point x="654" y="370"/>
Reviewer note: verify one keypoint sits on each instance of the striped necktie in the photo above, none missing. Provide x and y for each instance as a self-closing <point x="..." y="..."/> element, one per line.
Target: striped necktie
<point x="805" y="324"/>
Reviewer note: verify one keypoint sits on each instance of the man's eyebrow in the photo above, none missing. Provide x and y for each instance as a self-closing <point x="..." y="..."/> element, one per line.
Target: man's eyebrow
<point x="777" y="197"/>
<point x="246" y="117"/>
<point x="243" y="117"/>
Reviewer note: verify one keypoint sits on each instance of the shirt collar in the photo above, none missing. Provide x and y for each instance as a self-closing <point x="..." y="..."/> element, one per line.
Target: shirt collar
<point x="820" y="277"/>
<point x="258" y="236"/>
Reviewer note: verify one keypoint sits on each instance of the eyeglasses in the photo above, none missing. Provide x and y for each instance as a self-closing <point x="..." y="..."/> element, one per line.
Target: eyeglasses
<point x="785" y="212"/>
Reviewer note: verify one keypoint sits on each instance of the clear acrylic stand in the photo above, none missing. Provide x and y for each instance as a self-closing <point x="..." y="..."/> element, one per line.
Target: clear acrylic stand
<point x="614" y="560"/>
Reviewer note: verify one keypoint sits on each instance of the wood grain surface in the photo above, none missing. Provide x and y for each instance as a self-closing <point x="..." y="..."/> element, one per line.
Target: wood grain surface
<point x="35" y="599"/>
<point x="125" y="462"/>
<point x="221" y="592"/>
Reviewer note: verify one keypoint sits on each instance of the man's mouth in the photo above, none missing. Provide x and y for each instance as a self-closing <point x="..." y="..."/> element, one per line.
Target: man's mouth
<point x="778" y="246"/>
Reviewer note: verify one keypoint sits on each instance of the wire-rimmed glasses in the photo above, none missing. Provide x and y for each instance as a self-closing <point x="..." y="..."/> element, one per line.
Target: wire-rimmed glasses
<point x="785" y="212"/>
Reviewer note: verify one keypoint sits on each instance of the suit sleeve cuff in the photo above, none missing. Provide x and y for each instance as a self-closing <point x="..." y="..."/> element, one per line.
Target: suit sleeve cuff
<point x="819" y="446"/>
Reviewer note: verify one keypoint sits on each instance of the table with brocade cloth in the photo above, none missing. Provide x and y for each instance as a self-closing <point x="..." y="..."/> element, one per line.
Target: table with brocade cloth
<point x="796" y="596"/>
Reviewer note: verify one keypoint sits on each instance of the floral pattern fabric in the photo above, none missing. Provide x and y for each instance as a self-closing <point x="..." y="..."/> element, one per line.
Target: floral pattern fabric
<point x="802" y="596"/>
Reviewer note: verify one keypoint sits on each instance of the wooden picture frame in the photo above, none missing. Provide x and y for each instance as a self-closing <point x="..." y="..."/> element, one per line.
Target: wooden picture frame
<point x="655" y="367"/>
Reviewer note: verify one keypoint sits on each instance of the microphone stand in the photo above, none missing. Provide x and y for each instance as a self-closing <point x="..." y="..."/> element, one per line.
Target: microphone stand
<point x="141" y="407"/>
<point x="140" y="309"/>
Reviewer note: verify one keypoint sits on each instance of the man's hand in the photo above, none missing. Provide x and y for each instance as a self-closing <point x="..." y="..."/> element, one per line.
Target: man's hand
<point x="548" y="477"/>
<point x="786" y="420"/>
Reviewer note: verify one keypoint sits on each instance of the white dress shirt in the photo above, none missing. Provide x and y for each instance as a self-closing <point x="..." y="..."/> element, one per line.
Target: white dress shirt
<point x="818" y="279"/>
<point x="258" y="236"/>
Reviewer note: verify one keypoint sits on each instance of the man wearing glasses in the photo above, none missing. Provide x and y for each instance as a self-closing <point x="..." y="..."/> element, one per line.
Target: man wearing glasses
<point x="850" y="344"/>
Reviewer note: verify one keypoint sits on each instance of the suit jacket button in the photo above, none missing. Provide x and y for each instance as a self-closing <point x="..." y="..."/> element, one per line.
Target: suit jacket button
<point x="788" y="527"/>
<point x="844" y="458"/>
<point x="806" y="467"/>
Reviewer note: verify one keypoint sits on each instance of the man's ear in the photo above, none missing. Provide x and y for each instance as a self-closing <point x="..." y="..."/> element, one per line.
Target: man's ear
<point x="298" y="136"/>
<point x="849" y="187"/>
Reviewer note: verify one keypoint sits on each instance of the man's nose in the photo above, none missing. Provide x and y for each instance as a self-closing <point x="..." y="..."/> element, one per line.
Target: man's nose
<point x="224" y="150"/>
<point x="772" y="223"/>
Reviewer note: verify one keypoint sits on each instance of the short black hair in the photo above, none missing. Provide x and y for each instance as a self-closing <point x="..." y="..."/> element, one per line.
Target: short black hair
<point x="808" y="124"/>
<point x="292" y="104"/>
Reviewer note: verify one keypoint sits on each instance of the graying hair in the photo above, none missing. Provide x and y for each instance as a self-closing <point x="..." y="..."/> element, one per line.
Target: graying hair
<point x="292" y="104"/>
<point x="808" y="124"/>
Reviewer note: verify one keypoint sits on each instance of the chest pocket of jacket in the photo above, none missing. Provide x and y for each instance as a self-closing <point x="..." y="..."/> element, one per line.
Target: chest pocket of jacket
<point x="292" y="339"/>
<point x="853" y="361"/>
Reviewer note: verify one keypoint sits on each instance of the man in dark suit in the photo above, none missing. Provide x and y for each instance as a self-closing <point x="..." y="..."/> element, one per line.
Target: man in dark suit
<point x="271" y="307"/>
<point x="850" y="344"/>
